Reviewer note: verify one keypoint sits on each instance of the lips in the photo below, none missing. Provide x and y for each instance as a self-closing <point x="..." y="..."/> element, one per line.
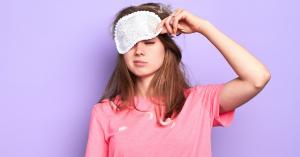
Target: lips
<point x="139" y="61"/>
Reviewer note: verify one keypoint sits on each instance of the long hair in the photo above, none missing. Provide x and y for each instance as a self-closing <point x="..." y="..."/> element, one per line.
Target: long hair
<point x="166" y="89"/>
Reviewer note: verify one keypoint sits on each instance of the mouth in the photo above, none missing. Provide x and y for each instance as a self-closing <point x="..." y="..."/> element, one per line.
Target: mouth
<point x="140" y="63"/>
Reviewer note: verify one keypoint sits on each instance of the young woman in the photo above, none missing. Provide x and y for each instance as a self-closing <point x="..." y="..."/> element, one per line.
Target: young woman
<point x="148" y="107"/>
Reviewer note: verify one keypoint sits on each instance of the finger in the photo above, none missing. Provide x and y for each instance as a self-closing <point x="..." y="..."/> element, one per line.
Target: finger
<point x="173" y="14"/>
<point x="160" y="25"/>
<point x="176" y="21"/>
<point x="181" y="28"/>
<point x="178" y="11"/>
<point x="168" y="25"/>
<point x="164" y="30"/>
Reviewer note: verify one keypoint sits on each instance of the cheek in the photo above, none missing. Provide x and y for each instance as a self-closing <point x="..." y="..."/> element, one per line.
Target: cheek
<point x="159" y="53"/>
<point x="127" y="61"/>
<point x="127" y="58"/>
<point x="157" y="59"/>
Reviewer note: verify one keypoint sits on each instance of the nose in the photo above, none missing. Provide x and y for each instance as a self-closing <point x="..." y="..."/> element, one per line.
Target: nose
<point x="139" y="49"/>
<point x="139" y="52"/>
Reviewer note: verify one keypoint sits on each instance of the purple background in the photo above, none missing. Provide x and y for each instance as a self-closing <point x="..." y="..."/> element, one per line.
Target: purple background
<point x="56" y="57"/>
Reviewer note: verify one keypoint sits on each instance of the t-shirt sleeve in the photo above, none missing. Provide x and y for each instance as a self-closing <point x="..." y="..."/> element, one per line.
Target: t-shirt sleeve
<point x="211" y="94"/>
<point x="96" y="145"/>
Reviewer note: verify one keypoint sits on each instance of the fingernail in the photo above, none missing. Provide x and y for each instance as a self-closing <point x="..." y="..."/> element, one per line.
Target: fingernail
<point x="178" y="34"/>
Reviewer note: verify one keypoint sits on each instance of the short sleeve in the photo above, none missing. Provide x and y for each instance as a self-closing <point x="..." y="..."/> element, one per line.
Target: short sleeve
<point x="96" y="144"/>
<point x="211" y="96"/>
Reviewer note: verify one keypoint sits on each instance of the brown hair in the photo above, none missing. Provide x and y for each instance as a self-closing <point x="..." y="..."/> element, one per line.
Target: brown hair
<point x="169" y="81"/>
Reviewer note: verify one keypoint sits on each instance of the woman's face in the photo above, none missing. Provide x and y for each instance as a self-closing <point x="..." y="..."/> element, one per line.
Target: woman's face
<point x="151" y="52"/>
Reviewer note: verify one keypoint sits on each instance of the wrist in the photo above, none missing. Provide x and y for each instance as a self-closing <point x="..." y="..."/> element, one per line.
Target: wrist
<point x="203" y="26"/>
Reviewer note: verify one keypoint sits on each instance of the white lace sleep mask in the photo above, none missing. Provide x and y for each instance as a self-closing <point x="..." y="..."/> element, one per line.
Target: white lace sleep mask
<point x="134" y="27"/>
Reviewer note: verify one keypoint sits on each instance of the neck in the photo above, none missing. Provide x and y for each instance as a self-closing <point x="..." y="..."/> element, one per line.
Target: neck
<point x="142" y="85"/>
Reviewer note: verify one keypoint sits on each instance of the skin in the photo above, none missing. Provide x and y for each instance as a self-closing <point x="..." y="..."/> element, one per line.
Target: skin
<point x="152" y="51"/>
<point x="252" y="74"/>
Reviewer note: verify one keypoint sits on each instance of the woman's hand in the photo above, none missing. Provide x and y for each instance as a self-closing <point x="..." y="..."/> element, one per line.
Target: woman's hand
<point x="182" y="21"/>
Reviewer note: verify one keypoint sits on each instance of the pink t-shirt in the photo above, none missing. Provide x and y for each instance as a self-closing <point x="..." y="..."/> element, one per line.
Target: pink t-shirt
<point x="136" y="134"/>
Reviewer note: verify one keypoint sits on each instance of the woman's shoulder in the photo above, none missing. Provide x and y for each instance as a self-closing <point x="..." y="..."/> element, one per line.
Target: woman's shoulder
<point x="106" y="106"/>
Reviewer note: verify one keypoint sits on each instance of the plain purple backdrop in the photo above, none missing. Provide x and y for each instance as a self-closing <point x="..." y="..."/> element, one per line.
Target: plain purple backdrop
<point x="56" y="58"/>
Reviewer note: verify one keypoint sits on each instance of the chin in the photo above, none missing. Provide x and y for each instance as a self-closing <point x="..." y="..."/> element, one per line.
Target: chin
<point x="140" y="74"/>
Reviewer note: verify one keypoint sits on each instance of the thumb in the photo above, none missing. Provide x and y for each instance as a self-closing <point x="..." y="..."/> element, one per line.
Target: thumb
<point x="181" y="28"/>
